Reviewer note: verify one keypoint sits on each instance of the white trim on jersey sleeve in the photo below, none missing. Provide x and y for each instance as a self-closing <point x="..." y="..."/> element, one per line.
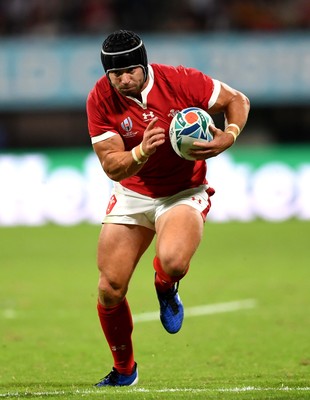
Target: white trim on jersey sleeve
<point x="103" y="136"/>
<point x="215" y="94"/>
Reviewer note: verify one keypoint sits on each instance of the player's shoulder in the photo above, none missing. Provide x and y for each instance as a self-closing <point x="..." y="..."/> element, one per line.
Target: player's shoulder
<point x="101" y="86"/>
<point x="101" y="90"/>
<point x="171" y="71"/>
<point x="165" y="68"/>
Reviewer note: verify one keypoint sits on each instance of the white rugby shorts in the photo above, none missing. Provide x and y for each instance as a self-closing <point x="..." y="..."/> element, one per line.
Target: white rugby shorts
<point x="132" y="208"/>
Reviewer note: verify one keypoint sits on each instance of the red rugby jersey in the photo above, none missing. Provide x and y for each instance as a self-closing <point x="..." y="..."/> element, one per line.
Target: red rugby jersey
<point x="170" y="89"/>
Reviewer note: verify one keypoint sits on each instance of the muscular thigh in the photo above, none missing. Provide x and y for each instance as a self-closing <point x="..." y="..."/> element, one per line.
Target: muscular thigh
<point x="179" y="232"/>
<point x="119" y="250"/>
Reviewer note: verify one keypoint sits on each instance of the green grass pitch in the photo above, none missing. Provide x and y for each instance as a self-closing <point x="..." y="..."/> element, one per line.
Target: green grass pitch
<point x="52" y="346"/>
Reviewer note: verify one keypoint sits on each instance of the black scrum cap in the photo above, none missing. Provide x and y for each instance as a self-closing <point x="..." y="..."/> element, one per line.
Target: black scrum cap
<point x="123" y="49"/>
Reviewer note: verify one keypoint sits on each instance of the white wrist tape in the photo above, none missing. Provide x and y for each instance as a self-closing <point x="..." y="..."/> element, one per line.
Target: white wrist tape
<point x="234" y="126"/>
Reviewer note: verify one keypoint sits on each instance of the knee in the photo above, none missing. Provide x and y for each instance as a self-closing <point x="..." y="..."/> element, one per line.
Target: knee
<point x="110" y="292"/>
<point x="174" y="265"/>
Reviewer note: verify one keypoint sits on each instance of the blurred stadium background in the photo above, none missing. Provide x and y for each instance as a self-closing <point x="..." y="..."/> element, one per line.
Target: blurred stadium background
<point x="49" y="60"/>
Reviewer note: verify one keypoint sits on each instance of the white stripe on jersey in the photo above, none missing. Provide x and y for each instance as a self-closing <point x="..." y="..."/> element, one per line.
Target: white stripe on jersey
<point x="103" y="136"/>
<point x="215" y="94"/>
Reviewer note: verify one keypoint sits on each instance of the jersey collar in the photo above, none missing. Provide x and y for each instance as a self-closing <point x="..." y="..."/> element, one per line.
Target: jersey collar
<point x="146" y="90"/>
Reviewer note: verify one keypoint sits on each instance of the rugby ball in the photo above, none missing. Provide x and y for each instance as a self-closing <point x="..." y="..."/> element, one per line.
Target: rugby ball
<point x="188" y="126"/>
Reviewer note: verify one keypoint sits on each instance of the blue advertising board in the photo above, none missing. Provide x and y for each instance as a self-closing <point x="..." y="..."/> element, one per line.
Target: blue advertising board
<point x="58" y="73"/>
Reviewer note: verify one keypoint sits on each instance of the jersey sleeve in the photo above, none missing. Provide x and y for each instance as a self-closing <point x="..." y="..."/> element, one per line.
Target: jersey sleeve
<point x="199" y="88"/>
<point x="99" y="127"/>
<point x="215" y="93"/>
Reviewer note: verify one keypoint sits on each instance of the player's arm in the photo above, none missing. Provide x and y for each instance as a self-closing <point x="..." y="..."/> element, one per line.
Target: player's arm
<point x="118" y="163"/>
<point x="115" y="161"/>
<point x="235" y="106"/>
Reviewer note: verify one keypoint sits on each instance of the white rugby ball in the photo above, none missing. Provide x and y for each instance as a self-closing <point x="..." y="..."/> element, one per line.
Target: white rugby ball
<point x="188" y="126"/>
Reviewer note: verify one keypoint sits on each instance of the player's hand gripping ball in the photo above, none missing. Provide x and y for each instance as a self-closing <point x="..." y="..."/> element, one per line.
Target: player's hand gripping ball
<point x="188" y="126"/>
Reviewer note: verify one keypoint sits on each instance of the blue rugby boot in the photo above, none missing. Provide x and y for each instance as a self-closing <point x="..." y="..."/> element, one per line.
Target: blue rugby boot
<point x="114" y="378"/>
<point x="171" y="309"/>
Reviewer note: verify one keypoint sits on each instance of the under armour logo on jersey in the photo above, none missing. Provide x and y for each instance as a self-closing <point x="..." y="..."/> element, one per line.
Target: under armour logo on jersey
<point x="127" y="124"/>
<point x="148" y="116"/>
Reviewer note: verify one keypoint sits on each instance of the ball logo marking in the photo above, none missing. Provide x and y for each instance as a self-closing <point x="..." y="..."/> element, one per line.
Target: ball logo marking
<point x="188" y="126"/>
